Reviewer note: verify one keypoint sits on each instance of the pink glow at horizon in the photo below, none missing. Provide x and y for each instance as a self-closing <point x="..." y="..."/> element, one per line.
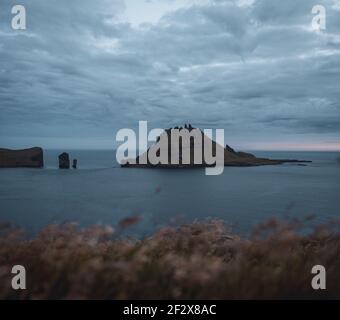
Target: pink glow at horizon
<point x="286" y="146"/>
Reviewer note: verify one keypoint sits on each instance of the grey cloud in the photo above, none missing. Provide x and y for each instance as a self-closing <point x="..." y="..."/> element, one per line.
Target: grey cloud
<point x="79" y="68"/>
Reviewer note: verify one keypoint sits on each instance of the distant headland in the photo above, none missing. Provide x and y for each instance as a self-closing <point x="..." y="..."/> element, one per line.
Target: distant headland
<point x="27" y="158"/>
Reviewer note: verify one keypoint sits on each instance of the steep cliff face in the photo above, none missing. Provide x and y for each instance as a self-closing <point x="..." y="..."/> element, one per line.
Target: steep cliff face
<point x="27" y="158"/>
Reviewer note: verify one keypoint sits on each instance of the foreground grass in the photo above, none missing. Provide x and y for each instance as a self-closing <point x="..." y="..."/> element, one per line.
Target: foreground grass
<point x="196" y="261"/>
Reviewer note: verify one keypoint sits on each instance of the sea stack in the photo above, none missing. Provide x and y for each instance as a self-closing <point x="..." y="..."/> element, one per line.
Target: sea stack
<point x="27" y="158"/>
<point x="74" y="164"/>
<point x="64" y="161"/>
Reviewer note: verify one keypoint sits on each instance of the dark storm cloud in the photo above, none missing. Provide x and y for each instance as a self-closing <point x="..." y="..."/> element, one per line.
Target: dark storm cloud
<point x="81" y="72"/>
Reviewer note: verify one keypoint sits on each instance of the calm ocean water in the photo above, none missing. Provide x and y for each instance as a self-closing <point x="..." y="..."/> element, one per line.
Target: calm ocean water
<point x="102" y="192"/>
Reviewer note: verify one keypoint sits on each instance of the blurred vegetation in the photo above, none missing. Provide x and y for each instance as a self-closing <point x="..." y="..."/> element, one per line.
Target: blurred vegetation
<point x="202" y="260"/>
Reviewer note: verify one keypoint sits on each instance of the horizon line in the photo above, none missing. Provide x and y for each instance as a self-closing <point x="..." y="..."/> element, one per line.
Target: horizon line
<point x="238" y="149"/>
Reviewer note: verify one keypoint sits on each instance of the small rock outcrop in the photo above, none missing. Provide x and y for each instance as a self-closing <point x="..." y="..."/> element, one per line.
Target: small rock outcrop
<point x="26" y="158"/>
<point x="64" y="161"/>
<point x="74" y="164"/>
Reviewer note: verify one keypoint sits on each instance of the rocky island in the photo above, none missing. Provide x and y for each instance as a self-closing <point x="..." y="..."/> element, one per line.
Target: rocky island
<point x="27" y="158"/>
<point x="232" y="158"/>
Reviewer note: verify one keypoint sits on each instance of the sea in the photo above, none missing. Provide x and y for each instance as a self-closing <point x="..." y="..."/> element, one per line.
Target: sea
<point x="101" y="192"/>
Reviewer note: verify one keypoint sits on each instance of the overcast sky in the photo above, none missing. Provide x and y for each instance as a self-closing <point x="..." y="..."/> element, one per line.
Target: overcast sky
<point x="84" y="69"/>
